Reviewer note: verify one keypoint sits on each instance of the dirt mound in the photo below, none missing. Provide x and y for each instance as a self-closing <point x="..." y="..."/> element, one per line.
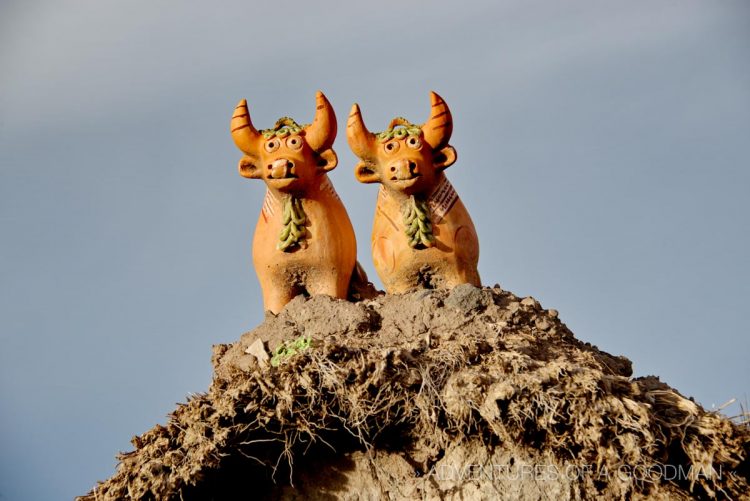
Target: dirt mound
<point x="467" y="394"/>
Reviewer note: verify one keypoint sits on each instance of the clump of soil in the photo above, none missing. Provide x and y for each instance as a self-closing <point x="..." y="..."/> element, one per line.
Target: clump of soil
<point x="463" y="394"/>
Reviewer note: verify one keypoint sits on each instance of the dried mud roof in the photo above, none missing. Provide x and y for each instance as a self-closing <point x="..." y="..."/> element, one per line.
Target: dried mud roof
<point x="467" y="394"/>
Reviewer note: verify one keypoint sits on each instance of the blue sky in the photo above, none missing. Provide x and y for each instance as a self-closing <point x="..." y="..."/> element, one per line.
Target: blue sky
<point x="603" y="155"/>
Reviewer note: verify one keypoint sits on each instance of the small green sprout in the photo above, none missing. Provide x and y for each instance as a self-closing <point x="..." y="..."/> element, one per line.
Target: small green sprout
<point x="290" y="348"/>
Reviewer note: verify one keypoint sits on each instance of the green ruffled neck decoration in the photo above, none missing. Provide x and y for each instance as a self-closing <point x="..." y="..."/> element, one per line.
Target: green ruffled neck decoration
<point x="416" y="214"/>
<point x="399" y="128"/>
<point x="283" y="127"/>
<point x="293" y="234"/>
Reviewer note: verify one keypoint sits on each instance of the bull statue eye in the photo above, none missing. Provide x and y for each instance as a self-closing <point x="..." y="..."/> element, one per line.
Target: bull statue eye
<point x="294" y="143"/>
<point x="272" y="145"/>
<point x="391" y="147"/>
<point x="413" y="142"/>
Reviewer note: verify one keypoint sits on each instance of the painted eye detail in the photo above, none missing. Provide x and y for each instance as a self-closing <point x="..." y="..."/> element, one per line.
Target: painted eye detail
<point x="272" y="145"/>
<point x="414" y="142"/>
<point x="391" y="147"/>
<point x="294" y="143"/>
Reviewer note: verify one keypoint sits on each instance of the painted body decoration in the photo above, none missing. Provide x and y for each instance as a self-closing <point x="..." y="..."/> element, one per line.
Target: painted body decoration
<point x="422" y="235"/>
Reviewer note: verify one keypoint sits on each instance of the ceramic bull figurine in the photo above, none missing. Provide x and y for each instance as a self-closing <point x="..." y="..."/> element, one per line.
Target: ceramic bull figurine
<point x="304" y="241"/>
<point x="422" y="235"/>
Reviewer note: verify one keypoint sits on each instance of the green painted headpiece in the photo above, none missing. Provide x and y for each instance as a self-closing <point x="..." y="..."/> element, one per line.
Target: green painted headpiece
<point x="399" y="128"/>
<point x="283" y="127"/>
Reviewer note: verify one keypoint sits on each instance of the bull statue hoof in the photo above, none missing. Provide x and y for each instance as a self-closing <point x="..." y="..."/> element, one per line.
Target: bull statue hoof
<point x="422" y="235"/>
<point x="304" y="241"/>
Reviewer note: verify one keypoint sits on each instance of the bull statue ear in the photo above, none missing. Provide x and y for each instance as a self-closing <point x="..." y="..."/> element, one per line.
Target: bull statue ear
<point x="365" y="172"/>
<point x="248" y="168"/>
<point x="327" y="160"/>
<point x="444" y="158"/>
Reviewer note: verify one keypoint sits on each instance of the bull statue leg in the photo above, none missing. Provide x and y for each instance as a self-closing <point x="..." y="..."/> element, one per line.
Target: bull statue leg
<point x="333" y="283"/>
<point x="275" y="298"/>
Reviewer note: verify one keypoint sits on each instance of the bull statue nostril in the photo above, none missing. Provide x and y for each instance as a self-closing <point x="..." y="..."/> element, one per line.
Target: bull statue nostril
<point x="393" y="169"/>
<point x="289" y="164"/>
<point x="412" y="166"/>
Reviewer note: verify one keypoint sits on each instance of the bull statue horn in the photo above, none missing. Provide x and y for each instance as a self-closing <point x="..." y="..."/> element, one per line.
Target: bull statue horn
<point x="438" y="128"/>
<point x="321" y="133"/>
<point x="244" y="134"/>
<point x="360" y="139"/>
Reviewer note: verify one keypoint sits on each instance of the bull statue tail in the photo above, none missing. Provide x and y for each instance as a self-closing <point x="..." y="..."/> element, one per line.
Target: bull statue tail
<point x="360" y="286"/>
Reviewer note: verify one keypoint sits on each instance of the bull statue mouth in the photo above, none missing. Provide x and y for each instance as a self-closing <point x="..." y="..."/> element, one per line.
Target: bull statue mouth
<point x="286" y="184"/>
<point x="406" y="183"/>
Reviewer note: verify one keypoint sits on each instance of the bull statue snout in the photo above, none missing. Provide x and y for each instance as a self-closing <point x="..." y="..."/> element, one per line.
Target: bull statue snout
<point x="404" y="169"/>
<point x="281" y="168"/>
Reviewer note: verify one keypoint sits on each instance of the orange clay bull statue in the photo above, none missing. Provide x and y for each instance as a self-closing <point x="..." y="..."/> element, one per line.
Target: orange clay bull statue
<point x="422" y="235"/>
<point x="304" y="241"/>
